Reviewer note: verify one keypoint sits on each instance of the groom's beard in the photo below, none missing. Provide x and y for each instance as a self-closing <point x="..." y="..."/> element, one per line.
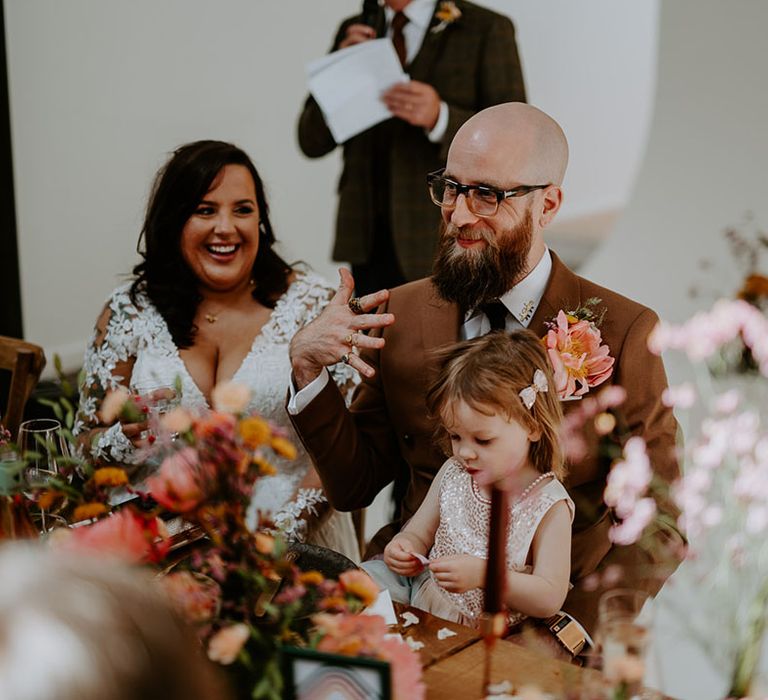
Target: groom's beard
<point x="472" y="277"/>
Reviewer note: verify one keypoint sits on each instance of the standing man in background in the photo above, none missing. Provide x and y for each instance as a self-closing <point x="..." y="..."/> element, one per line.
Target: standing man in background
<point x="461" y="59"/>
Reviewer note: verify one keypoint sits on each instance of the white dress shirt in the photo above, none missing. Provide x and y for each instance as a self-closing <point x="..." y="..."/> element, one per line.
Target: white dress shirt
<point x="521" y="302"/>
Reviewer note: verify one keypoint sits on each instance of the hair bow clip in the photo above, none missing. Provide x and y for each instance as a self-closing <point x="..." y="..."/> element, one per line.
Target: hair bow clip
<point x="539" y="386"/>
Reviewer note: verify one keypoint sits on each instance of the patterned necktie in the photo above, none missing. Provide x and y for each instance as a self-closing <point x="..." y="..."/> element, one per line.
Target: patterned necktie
<point x="496" y="313"/>
<point x="398" y="38"/>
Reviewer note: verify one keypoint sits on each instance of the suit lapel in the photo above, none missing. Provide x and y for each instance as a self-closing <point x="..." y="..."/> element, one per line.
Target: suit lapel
<point x="421" y="67"/>
<point x="439" y="321"/>
<point x="563" y="291"/>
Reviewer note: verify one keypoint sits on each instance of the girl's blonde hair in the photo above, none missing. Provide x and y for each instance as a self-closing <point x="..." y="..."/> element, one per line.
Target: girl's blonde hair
<point x="488" y="374"/>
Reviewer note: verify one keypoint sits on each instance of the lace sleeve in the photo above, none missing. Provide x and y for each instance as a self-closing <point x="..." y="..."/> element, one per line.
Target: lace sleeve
<point x="108" y="362"/>
<point x="316" y="300"/>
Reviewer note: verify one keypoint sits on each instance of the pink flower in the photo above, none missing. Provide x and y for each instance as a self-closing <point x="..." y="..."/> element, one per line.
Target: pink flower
<point x="629" y="530"/>
<point x="230" y="397"/>
<point x="406" y="669"/>
<point x="176" y="486"/>
<point x="113" y="404"/>
<point x="226" y="644"/>
<point x="125" y="534"/>
<point x="578" y="359"/>
<point x="177" y="420"/>
<point x="683" y="396"/>
<point x="628" y="478"/>
<point x="197" y="597"/>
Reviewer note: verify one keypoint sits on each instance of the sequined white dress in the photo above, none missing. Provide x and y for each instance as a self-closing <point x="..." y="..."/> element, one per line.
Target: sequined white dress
<point x="138" y="331"/>
<point x="463" y="529"/>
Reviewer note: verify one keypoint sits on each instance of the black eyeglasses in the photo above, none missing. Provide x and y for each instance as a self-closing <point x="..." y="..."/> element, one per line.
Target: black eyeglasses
<point x="481" y="200"/>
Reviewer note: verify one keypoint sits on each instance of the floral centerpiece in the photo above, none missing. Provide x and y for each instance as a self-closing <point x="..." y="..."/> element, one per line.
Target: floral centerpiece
<point x="239" y="588"/>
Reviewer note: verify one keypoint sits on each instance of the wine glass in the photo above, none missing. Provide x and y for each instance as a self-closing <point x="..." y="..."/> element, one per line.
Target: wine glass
<point x="624" y="628"/>
<point x="42" y="446"/>
<point x="158" y="399"/>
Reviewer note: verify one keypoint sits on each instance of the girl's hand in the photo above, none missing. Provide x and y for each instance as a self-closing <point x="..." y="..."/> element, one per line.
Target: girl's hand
<point x="458" y="573"/>
<point x="398" y="557"/>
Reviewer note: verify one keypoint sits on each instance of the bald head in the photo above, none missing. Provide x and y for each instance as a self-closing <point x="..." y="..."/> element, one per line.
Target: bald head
<point x="513" y="143"/>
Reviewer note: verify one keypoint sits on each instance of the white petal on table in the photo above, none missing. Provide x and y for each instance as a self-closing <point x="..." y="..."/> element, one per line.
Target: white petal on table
<point x="444" y="633"/>
<point x="409" y="619"/>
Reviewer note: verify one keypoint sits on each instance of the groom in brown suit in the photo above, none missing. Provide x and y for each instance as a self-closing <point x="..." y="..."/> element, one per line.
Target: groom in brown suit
<point x="500" y="189"/>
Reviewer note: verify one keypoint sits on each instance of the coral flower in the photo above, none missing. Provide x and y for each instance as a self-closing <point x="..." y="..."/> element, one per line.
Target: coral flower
<point x="176" y="486"/>
<point x="578" y="358"/>
<point x="226" y="644"/>
<point x="177" y="420"/>
<point x="356" y="582"/>
<point x="123" y="535"/>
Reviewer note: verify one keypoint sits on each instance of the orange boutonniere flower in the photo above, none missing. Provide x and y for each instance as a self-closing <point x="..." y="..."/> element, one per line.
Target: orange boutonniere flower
<point x="580" y="360"/>
<point x="447" y="13"/>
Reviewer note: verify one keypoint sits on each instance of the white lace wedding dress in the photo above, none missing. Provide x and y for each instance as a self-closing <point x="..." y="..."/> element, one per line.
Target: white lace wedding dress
<point x="138" y="332"/>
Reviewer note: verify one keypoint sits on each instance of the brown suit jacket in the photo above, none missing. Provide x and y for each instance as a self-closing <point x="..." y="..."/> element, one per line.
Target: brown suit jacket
<point x="473" y="64"/>
<point x="358" y="452"/>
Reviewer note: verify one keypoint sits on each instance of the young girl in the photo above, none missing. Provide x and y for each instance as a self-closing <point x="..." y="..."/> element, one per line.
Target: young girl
<point x="495" y="398"/>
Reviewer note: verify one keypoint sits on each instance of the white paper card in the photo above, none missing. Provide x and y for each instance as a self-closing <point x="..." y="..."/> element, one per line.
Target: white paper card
<point x="347" y="85"/>
<point x="383" y="606"/>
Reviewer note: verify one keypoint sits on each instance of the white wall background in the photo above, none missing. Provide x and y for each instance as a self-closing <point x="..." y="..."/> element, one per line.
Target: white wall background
<point x="102" y="90"/>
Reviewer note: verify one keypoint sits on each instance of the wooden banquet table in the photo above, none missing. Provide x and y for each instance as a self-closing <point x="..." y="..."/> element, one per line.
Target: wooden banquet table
<point x="453" y="667"/>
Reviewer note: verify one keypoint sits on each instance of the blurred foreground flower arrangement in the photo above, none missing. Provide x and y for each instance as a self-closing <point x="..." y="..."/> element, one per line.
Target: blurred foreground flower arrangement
<point x="723" y="495"/>
<point x="239" y="587"/>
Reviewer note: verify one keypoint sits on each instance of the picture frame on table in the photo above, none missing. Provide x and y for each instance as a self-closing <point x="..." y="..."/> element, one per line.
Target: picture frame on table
<point x="311" y="675"/>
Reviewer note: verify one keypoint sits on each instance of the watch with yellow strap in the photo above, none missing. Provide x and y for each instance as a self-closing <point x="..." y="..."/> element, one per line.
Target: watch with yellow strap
<point x="567" y="632"/>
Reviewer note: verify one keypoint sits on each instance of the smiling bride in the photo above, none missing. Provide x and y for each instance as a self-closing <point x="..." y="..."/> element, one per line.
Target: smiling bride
<point x="210" y="302"/>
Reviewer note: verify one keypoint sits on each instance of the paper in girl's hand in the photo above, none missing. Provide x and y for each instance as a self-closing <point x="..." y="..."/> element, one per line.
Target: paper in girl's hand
<point x="422" y="559"/>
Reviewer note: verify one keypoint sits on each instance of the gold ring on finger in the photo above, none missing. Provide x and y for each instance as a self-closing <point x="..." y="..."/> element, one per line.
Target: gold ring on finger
<point x="345" y="358"/>
<point x="355" y="306"/>
<point x="350" y="339"/>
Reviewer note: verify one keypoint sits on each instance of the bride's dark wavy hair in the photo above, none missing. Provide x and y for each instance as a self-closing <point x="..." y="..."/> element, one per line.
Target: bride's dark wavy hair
<point x="163" y="274"/>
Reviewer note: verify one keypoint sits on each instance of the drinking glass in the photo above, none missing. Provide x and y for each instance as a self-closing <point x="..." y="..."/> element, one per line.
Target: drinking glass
<point x="42" y="437"/>
<point x="42" y="445"/>
<point x="159" y="399"/>
<point x="624" y="627"/>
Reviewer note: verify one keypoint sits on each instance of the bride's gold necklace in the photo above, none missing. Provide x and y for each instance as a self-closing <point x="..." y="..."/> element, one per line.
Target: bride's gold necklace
<point x="212" y="318"/>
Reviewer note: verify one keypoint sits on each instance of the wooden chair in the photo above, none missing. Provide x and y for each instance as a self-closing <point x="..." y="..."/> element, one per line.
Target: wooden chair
<point x="25" y="362"/>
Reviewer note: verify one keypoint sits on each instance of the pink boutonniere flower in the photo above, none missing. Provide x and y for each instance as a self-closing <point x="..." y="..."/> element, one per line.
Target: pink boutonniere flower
<point x="580" y="360"/>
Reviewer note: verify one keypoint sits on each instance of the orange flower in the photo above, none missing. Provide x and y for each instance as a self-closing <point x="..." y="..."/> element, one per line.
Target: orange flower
<point x="254" y="431"/>
<point x="264" y="543"/>
<point x="357" y="583"/>
<point x="110" y="476"/>
<point x="755" y="287"/>
<point x="87" y="511"/>
<point x="311" y="578"/>
<point x="283" y="447"/>
<point x="113" y="404"/>
<point x="47" y="499"/>
<point x="265" y="468"/>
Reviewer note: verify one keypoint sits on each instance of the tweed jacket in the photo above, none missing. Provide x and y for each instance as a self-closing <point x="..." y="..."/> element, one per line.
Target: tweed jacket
<point x="473" y="64"/>
<point x="358" y="452"/>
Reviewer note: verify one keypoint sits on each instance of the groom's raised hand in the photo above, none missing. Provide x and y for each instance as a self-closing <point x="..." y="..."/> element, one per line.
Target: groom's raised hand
<point x="336" y="335"/>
